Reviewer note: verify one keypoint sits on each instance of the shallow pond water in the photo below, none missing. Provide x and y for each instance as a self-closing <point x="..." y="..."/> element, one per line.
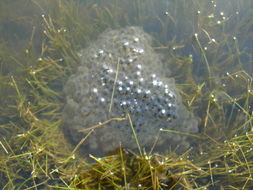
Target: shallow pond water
<point x="88" y="78"/>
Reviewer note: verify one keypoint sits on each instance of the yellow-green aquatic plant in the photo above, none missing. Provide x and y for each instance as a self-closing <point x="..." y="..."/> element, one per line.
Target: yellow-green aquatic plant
<point x="214" y="75"/>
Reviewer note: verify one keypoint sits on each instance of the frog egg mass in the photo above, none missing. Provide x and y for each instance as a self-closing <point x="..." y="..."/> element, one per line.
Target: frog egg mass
<point x="120" y="75"/>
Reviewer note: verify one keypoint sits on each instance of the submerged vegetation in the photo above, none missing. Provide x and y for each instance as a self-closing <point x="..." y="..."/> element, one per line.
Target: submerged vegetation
<point x="208" y="48"/>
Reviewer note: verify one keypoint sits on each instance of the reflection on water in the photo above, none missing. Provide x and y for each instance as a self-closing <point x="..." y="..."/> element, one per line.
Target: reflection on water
<point x="201" y="52"/>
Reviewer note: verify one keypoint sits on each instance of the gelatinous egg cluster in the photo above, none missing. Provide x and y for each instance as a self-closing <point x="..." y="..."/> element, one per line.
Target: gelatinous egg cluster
<point x="132" y="94"/>
<point x="121" y="74"/>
